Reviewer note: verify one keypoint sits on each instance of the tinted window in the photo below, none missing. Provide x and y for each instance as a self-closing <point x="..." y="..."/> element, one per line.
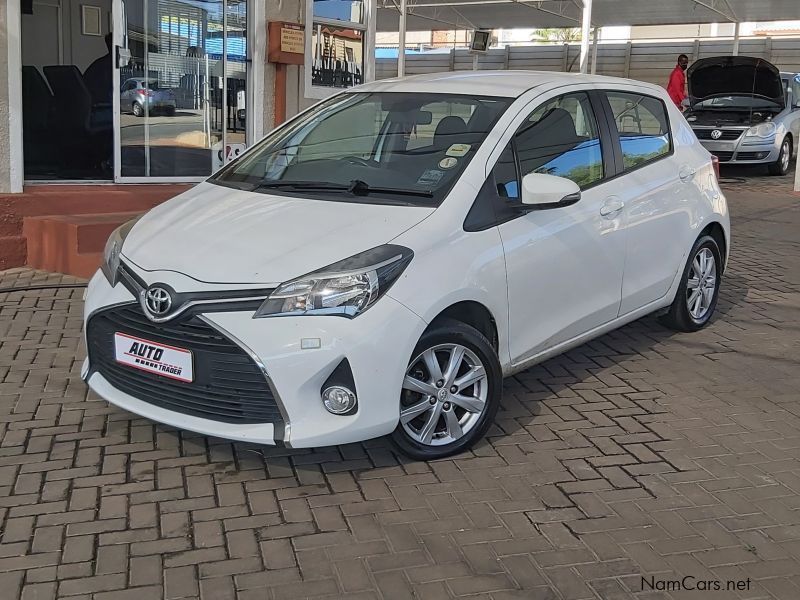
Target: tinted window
<point x="560" y="138"/>
<point x="643" y="127"/>
<point x="796" y="90"/>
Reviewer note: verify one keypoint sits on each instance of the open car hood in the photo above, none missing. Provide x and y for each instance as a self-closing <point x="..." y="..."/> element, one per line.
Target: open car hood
<point x="734" y="76"/>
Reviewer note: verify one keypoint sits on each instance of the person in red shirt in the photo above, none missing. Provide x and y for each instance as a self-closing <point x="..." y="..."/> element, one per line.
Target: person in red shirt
<point x="676" y="88"/>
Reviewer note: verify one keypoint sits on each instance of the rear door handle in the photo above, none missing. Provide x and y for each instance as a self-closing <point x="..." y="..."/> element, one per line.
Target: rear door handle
<point x="686" y="173"/>
<point x="611" y="207"/>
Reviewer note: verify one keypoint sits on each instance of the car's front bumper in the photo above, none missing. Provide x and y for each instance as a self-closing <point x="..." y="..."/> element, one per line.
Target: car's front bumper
<point x="739" y="152"/>
<point x="377" y="344"/>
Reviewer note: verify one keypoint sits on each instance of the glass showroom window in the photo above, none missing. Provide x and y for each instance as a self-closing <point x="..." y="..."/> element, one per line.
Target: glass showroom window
<point x="338" y="43"/>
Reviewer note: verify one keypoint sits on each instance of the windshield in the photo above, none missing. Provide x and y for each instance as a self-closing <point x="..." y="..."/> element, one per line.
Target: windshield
<point x="735" y="102"/>
<point x="409" y="148"/>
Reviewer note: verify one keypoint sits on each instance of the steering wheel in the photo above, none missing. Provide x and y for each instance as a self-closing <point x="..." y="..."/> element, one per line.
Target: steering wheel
<point x="357" y="160"/>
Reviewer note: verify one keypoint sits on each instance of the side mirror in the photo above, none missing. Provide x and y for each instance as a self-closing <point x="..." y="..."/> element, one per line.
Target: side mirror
<point x="548" y="191"/>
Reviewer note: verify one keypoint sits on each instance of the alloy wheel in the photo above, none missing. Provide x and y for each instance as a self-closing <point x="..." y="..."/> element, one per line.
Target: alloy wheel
<point x="786" y="155"/>
<point x="444" y="394"/>
<point x="702" y="284"/>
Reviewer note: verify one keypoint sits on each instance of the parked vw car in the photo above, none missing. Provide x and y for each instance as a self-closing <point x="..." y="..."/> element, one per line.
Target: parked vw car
<point x="379" y="263"/>
<point x="744" y="111"/>
<point x="142" y="96"/>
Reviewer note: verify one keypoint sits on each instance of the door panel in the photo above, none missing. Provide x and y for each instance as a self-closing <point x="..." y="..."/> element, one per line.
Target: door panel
<point x="655" y="194"/>
<point x="564" y="271"/>
<point x="564" y="264"/>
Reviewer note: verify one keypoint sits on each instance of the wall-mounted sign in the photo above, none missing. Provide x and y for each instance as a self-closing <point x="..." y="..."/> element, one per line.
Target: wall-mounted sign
<point x="286" y="43"/>
<point x="292" y="39"/>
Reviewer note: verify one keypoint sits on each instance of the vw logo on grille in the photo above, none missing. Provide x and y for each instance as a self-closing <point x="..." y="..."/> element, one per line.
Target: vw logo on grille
<point x="716" y="134"/>
<point x="157" y="300"/>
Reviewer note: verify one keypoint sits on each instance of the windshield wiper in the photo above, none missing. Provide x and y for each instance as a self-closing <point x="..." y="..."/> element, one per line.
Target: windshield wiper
<point x="362" y="188"/>
<point x="357" y="187"/>
<point x="302" y="185"/>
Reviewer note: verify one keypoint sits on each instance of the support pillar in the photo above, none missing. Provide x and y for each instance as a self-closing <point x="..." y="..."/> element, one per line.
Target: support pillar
<point x="401" y="46"/>
<point x="736" y="39"/>
<point x="586" y="26"/>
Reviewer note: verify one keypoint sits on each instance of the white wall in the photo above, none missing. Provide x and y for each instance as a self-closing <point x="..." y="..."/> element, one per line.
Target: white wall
<point x="10" y="98"/>
<point x="5" y="112"/>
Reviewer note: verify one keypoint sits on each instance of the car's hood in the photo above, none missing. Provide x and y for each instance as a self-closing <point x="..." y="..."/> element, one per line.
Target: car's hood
<point x="216" y="234"/>
<point x="734" y="76"/>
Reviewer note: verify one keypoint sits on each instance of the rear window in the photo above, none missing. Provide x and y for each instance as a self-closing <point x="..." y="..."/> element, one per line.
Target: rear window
<point x="643" y="127"/>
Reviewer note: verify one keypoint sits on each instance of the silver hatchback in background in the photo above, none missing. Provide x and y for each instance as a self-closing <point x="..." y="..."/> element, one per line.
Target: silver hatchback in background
<point x="745" y="111"/>
<point x="141" y="96"/>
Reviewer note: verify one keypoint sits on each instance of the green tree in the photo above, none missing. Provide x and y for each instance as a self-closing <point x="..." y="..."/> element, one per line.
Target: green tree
<point x="557" y="34"/>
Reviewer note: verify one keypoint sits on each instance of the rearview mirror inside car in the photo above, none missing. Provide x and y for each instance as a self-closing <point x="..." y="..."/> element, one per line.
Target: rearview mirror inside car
<point x="548" y="191"/>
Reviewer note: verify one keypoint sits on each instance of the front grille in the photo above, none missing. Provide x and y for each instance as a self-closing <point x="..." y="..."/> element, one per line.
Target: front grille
<point x="228" y="385"/>
<point x="727" y="134"/>
<point x="723" y="156"/>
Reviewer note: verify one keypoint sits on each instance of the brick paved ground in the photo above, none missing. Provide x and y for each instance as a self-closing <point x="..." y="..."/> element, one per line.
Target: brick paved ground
<point x="643" y="453"/>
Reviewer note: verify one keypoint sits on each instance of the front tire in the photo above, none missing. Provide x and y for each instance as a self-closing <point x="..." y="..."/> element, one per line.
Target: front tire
<point x="451" y="392"/>
<point x="781" y="166"/>
<point x="138" y="110"/>
<point x="697" y="294"/>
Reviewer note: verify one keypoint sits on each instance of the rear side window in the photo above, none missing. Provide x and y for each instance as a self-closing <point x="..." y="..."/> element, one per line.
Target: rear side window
<point x="643" y="127"/>
<point x="560" y="138"/>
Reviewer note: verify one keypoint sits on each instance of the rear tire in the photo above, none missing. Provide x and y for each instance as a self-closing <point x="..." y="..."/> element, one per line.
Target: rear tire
<point x="451" y="393"/>
<point x="697" y="294"/>
<point x="782" y="165"/>
<point x="138" y="110"/>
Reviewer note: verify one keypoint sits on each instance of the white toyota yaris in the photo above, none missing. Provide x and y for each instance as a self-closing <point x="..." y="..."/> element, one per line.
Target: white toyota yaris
<point x="379" y="263"/>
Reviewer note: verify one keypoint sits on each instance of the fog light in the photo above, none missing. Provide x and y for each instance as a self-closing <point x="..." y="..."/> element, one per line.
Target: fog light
<point x="338" y="399"/>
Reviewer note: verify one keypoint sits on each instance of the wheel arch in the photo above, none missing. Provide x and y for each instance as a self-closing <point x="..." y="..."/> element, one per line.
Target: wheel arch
<point x="716" y="231"/>
<point x="470" y="313"/>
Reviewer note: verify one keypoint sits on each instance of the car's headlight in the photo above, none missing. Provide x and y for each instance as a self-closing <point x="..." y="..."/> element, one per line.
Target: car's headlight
<point x="762" y="130"/>
<point x="346" y="288"/>
<point x="113" y="249"/>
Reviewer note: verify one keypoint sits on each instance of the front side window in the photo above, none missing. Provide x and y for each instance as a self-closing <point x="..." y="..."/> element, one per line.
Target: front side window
<point x="408" y="147"/>
<point x="561" y="138"/>
<point x="643" y="127"/>
<point x="796" y="91"/>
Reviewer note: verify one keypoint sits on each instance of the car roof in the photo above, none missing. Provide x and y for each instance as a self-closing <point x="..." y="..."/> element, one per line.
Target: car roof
<point x="492" y="83"/>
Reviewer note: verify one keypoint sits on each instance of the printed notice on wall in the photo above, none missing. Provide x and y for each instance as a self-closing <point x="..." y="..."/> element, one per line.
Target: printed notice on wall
<point x="292" y="39"/>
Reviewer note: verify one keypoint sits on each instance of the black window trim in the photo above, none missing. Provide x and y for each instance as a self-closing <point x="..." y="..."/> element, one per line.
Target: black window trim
<point x="611" y="122"/>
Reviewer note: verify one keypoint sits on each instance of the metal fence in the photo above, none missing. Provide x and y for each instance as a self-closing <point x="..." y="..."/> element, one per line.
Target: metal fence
<point x="645" y="61"/>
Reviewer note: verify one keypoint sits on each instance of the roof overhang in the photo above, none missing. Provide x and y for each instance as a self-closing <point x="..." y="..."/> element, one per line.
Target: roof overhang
<point x="507" y="14"/>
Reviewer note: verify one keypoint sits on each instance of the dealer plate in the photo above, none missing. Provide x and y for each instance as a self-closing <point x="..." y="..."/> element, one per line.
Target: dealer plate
<point x="167" y="361"/>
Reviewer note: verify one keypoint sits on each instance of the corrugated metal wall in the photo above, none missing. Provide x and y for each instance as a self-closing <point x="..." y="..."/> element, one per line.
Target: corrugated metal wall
<point x="646" y="61"/>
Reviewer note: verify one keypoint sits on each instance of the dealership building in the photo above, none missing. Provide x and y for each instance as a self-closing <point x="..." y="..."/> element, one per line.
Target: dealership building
<point x="108" y="107"/>
<point x="150" y="95"/>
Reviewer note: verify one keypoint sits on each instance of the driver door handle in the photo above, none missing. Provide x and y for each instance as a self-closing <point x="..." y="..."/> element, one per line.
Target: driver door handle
<point x="611" y="207"/>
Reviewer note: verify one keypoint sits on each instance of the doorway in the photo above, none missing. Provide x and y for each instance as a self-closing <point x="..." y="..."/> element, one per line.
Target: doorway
<point x="67" y="129"/>
<point x="133" y="90"/>
<point x="182" y="76"/>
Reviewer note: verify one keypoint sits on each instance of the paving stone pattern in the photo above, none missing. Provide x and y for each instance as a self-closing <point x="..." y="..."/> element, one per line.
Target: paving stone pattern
<point x="645" y="453"/>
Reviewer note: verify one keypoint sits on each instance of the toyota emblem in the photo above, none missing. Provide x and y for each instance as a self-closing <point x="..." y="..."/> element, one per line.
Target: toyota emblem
<point x="158" y="301"/>
<point x="716" y="134"/>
